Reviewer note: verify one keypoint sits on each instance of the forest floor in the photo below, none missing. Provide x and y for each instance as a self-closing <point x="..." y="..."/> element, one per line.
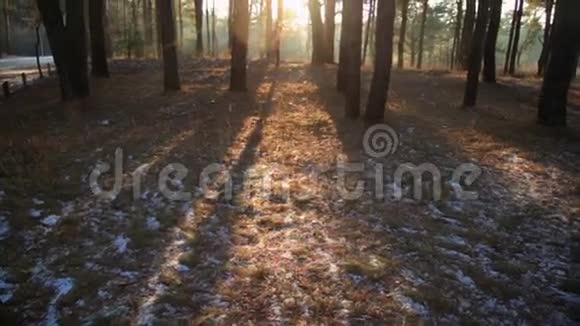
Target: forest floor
<point x="510" y="256"/>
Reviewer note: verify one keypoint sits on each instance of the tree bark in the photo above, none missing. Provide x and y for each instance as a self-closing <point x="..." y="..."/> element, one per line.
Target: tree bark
<point x="402" y="33"/>
<point x="455" y="51"/>
<point x="476" y="54"/>
<point x="318" y="42"/>
<point x="279" y="30"/>
<point x="208" y="31"/>
<point x="342" y="58"/>
<point x="77" y="46"/>
<point x="241" y="23"/>
<point x="7" y="28"/>
<point x="489" y="67"/>
<point x="269" y="25"/>
<point x="354" y="19"/>
<point x="562" y="64"/>
<point x="147" y="26"/>
<point x="199" y="26"/>
<point x="214" y="40"/>
<point x="422" y="33"/>
<point x="368" y="29"/>
<point x="547" y="33"/>
<point x="511" y="39"/>
<point x="168" y="40"/>
<point x="467" y="33"/>
<point x="98" y="49"/>
<point x="517" y="33"/>
<point x="383" y="61"/>
<point x="329" y="29"/>
<point x="231" y="10"/>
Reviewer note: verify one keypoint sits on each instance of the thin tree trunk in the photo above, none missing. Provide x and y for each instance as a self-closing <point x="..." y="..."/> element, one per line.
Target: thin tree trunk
<point x="562" y="64"/>
<point x="37" y="51"/>
<point x="180" y="15"/>
<point x="208" y="30"/>
<point x="241" y="23"/>
<point x="455" y="50"/>
<point x="318" y="43"/>
<point x="7" y="29"/>
<point x="329" y="28"/>
<point x="422" y="33"/>
<point x="546" y="42"/>
<point x="231" y="13"/>
<point x="516" y="42"/>
<point x="98" y="50"/>
<point x="383" y="61"/>
<point x="489" y="67"/>
<point x="402" y="33"/>
<point x="170" y="66"/>
<point x="354" y="18"/>
<point x="471" y="87"/>
<point x="279" y="30"/>
<point x="370" y="19"/>
<point x="199" y="26"/>
<point x="268" y="26"/>
<point x="342" y="59"/>
<point x="214" y="40"/>
<point x="147" y="32"/>
<point x="467" y="33"/>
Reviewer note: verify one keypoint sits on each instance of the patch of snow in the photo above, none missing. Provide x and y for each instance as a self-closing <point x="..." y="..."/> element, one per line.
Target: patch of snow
<point x="411" y="306"/>
<point x="62" y="287"/>
<point x="121" y="243"/>
<point x="4" y="228"/>
<point x="6" y="289"/>
<point x="412" y="277"/>
<point x="51" y="220"/>
<point x="2" y="195"/>
<point x="453" y="239"/>
<point x="182" y="268"/>
<point x="465" y="280"/>
<point x="153" y="223"/>
<point x="67" y="208"/>
<point x="36" y="213"/>
<point x="36" y="201"/>
<point x="129" y="275"/>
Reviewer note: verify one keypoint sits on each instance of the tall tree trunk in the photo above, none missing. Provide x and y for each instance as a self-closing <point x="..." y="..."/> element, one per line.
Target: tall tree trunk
<point x="516" y="42"/>
<point x="546" y="42"/>
<point x="180" y="16"/>
<point x="354" y="19"/>
<point x="147" y="23"/>
<point x="329" y="29"/>
<point x="318" y="43"/>
<point x="511" y="39"/>
<point x="383" y="61"/>
<point x="422" y="33"/>
<point x="214" y="40"/>
<point x="279" y="30"/>
<point x="7" y="28"/>
<point x="208" y="30"/>
<point x="37" y="46"/>
<point x="370" y="19"/>
<point x="402" y="33"/>
<point x="98" y="50"/>
<point x="455" y="50"/>
<point x="77" y="45"/>
<point x="199" y="26"/>
<point x="562" y="64"/>
<point x="241" y="31"/>
<point x="170" y="66"/>
<point x="342" y="58"/>
<point x="489" y="67"/>
<point x="467" y="33"/>
<point x="231" y="11"/>
<point x="476" y="54"/>
<point x="268" y="26"/>
<point x="413" y="45"/>
<point x="56" y="33"/>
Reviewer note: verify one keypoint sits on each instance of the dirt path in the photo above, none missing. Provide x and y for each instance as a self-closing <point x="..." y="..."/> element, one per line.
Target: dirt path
<point x="304" y="254"/>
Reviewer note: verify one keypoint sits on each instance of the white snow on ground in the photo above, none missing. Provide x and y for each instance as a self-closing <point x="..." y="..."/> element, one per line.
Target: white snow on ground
<point x="121" y="243"/>
<point x="37" y="201"/>
<point x="51" y="220"/>
<point x="410" y="305"/>
<point x="36" y="213"/>
<point x="6" y="289"/>
<point x="62" y="286"/>
<point x="153" y="223"/>
<point x="4" y="228"/>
